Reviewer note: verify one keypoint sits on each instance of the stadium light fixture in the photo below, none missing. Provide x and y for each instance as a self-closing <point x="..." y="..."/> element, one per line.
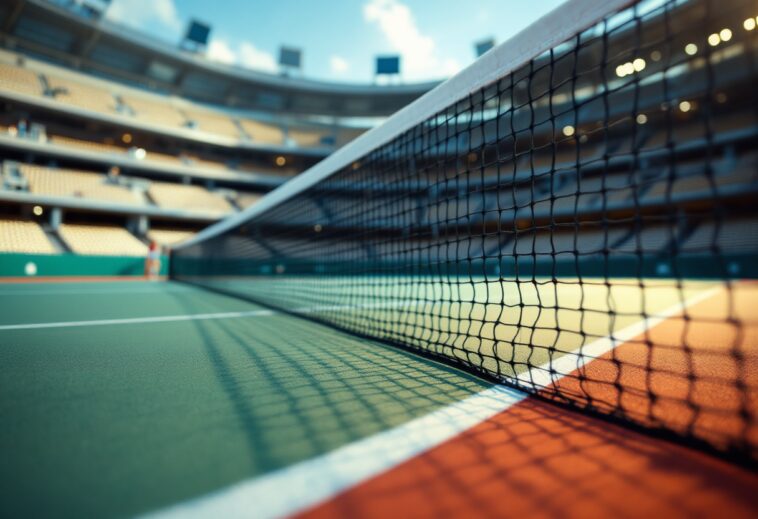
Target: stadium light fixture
<point x="690" y="49"/>
<point x="641" y="118"/>
<point x="749" y="24"/>
<point x="685" y="106"/>
<point x="196" y="37"/>
<point x="725" y="34"/>
<point x="37" y="210"/>
<point x="568" y="130"/>
<point x="387" y="66"/>
<point x="714" y="39"/>
<point x="290" y="59"/>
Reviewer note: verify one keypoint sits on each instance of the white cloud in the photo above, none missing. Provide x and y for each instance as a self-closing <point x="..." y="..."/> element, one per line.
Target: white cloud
<point x="252" y="57"/>
<point x="244" y="55"/>
<point x="338" y="65"/>
<point x="142" y="13"/>
<point x="219" y="50"/>
<point x="419" y="58"/>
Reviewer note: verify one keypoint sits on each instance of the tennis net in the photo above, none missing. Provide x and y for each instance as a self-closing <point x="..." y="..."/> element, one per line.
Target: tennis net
<point x="574" y="215"/>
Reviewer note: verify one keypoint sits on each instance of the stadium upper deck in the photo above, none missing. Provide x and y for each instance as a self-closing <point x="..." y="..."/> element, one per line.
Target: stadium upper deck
<point x="101" y="48"/>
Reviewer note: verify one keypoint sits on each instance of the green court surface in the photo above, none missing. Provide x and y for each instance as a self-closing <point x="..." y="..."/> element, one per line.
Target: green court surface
<point x="124" y="418"/>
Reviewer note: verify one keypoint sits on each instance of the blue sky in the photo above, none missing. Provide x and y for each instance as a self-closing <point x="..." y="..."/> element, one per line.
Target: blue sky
<point x="339" y="38"/>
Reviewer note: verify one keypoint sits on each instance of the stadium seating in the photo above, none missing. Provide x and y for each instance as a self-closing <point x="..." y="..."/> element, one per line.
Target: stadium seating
<point x="164" y="157"/>
<point x="268" y="170"/>
<point x="262" y="133"/>
<point x="308" y="138"/>
<point x="210" y="122"/>
<point x="98" y="147"/>
<point x="154" y="111"/>
<point x="187" y="197"/>
<point x="24" y="237"/>
<point x="203" y="163"/>
<point x="169" y="237"/>
<point x="79" y="184"/>
<point x="735" y="237"/>
<point x="245" y="200"/>
<point x="101" y="240"/>
<point x="82" y="95"/>
<point x="20" y="80"/>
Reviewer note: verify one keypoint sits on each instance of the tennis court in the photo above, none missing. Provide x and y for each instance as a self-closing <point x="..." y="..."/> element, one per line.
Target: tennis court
<point x="146" y="395"/>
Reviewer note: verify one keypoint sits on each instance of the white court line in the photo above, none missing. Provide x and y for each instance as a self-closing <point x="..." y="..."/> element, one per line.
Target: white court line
<point x="295" y="488"/>
<point x="63" y="291"/>
<point x="138" y="320"/>
<point x="541" y="377"/>
<point x="200" y="317"/>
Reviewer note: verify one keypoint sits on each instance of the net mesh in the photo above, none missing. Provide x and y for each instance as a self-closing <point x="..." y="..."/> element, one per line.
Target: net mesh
<point x="583" y="228"/>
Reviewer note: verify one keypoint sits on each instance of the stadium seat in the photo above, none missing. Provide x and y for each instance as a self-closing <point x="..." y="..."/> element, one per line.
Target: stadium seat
<point x="20" y="80"/>
<point x="169" y="237"/>
<point x="210" y="122"/>
<point x="153" y="110"/>
<point x="98" y="147"/>
<point x="24" y="237"/>
<point x="262" y="133"/>
<point x="78" y="184"/>
<point x="101" y="240"/>
<point x="188" y="197"/>
<point x="81" y="94"/>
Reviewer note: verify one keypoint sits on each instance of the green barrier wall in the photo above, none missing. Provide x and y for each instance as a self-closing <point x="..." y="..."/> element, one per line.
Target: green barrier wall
<point x="18" y="265"/>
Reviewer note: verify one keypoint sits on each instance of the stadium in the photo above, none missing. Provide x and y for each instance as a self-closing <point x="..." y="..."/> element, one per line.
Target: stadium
<point x="527" y="289"/>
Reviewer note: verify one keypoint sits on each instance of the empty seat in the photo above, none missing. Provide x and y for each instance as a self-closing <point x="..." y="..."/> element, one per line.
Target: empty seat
<point x="85" y="145"/>
<point x="19" y="80"/>
<point x="213" y="123"/>
<point x="155" y="111"/>
<point x="101" y="240"/>
<point x="188" y="197"/>
<point x="82" y="95"/>
<point x="169" y="237"/>
<point x="24" y="237"/>
<point x="262" y="133"/>
<point x="79" y="184"/>
<point x="728" y="237"/>
<point x="206" y="164"/>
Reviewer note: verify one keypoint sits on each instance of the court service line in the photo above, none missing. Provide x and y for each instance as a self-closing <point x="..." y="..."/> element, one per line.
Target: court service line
<point x="295" y="488"/>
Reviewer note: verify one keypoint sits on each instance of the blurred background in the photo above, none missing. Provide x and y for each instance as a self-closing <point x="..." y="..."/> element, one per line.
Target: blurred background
<point x="138" y="122"/>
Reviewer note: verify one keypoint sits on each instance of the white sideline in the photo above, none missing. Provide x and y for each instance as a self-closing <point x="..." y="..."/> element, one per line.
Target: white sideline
<point x="541" y="376"/>
<point x="295" y="488"/>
